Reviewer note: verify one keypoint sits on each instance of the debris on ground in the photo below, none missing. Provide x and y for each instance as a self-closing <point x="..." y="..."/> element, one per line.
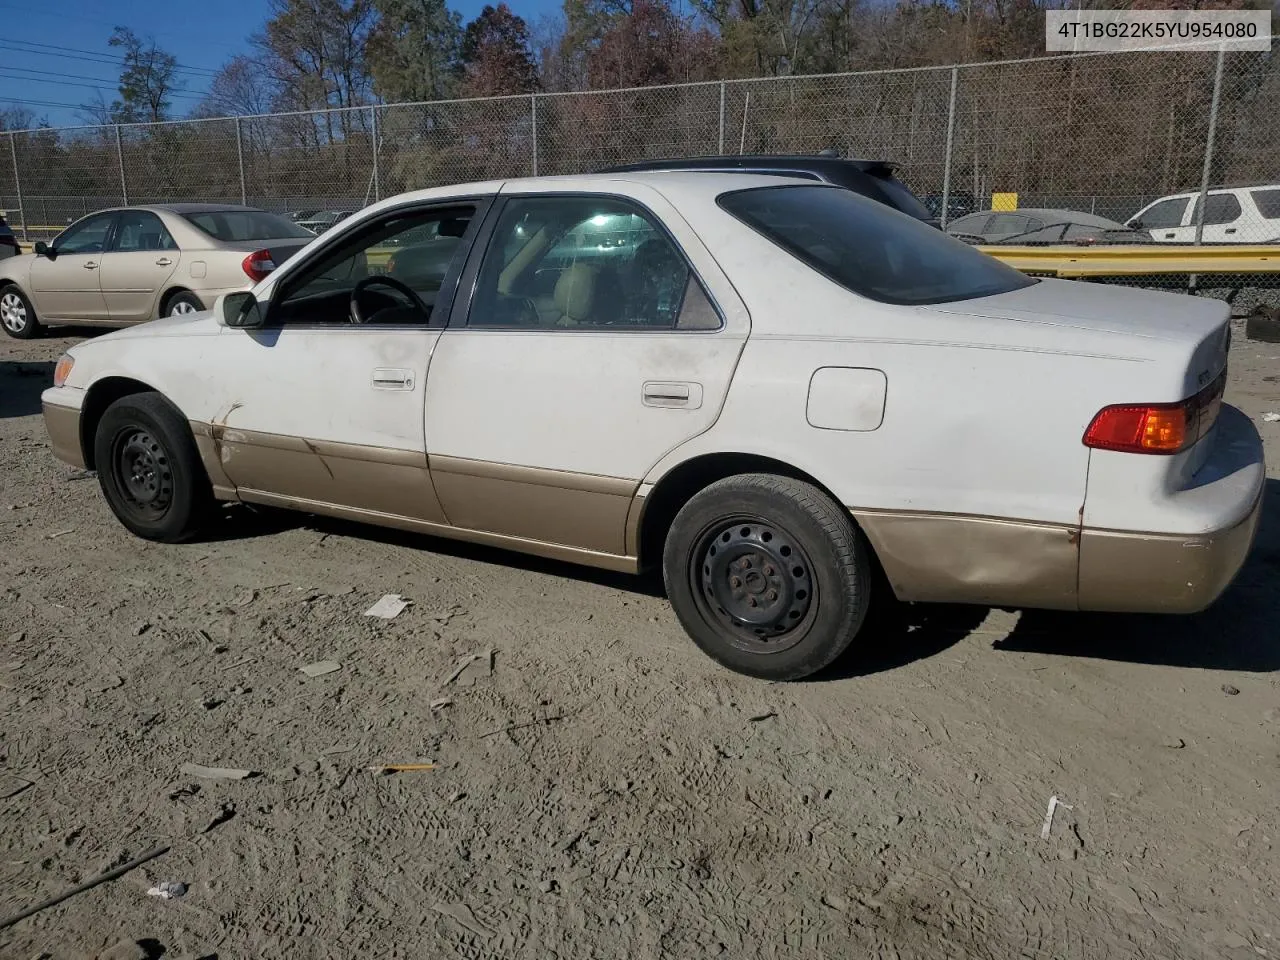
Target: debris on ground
<point x="140" y="628"/>
<point x="11" y="786"/>
<point x="80" y="475"/>
<point x="320" y="668"/>
<point x="1230" y="690"/>
<point x="400" y="768"/>
<point x="247" y="598"/>
<point x="181" y="793"/>
<point x="1175" y="743"/>
<point x="471" y="668"/>
<point x="1054" y="804"/>
<point x="101" y="878"/>
<point x="225" y="813"/>
<point x="168" y="890"/>
<point x="59" y="533"/>
<point x="766" y="715"/>
<point x="1271" y="417"/>
<point x="389" y="607"/>
<point x="441" y="703"/>
<point x="215" y="773"/>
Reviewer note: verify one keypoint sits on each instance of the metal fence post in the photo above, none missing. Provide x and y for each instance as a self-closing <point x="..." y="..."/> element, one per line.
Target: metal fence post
<point x="533" y="117"/>
<point x="17" y="182"/>
<point x="373" y="130"/>
<point x="244" y="194"/>
<point x="951" y="129"/>
<point x="1208" y="149"/>
<point x="124" y="185"/>
<point x="721" y="149"/>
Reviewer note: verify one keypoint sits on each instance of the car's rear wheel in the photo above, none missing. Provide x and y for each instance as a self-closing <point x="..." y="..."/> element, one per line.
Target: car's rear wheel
<point x="767" y="575"/>
<point x="16" y="314"/>
<point x="150" y="470"/>
<point x="182" y="304"/>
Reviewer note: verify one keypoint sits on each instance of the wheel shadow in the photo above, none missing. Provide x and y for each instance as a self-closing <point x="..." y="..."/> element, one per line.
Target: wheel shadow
<point x="21" y="383"/>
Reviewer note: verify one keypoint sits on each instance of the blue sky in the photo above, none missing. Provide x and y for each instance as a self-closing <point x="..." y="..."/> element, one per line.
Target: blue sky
<point x="202" y="35"/>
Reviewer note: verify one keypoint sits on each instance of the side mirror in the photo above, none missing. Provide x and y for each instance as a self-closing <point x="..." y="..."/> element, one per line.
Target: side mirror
<point x="1135" y="223"/>
<point x="240" y="310"/>
<point x="42" y="249"/>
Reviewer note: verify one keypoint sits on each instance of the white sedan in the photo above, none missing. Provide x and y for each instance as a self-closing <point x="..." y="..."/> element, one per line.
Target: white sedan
<point x="768" y="387"/>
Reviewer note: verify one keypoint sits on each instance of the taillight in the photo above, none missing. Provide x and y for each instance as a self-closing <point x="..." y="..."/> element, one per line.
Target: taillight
<point x="257" y="265"/>
<point x="1164" y="428"/>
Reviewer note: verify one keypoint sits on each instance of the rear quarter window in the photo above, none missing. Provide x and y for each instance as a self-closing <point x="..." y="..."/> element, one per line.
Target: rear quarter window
<point x="1268" y="203"/>
<point x="869" y="248"/>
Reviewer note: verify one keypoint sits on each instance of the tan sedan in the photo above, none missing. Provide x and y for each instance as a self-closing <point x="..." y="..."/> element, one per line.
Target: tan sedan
<point x="126" y="266"/>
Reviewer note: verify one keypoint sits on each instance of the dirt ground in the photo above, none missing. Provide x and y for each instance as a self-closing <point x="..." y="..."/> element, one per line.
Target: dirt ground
<point x="601" y="788"/>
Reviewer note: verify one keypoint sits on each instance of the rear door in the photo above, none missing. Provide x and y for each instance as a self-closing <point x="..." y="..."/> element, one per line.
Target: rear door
<point x="67" y="286"/>
<point x="1223" y="219"/>
<point x="598" y="335"/>
<point x="137" y="267"/>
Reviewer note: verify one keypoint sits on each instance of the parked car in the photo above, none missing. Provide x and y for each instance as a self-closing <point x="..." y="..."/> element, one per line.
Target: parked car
<point x="772" y="390"/>
<point x="8" y="242"/>
<point x="876" y="179"/>
<point x="118" y="267"/>
<point x="1033" y="225"/>
<point x="323" y="220"/>
<point x="1231" y="215"/>
<point x="959" y="204"/>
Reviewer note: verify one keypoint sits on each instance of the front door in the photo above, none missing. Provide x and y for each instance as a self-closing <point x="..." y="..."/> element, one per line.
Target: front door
<point x="325" y="411"/>
<point x="141" y="259"/>
<point x="67" y="286"/>
<point x="592" y="346"/>
<point x="1167" y="220"/>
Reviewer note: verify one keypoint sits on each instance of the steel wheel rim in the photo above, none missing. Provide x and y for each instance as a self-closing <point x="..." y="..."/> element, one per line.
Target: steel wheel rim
<point x="143" y="473"/>
<point x="182" y="308"/>
<point x="754" y="583"/>
<point x="13" y="313"/>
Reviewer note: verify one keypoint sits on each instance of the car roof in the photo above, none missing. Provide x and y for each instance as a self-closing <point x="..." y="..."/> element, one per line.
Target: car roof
<point x="182" y="208"/>
<point x="833" y="169"/>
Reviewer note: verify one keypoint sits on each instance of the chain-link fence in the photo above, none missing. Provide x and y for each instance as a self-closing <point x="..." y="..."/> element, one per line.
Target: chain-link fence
<point x="1186" y="143"/>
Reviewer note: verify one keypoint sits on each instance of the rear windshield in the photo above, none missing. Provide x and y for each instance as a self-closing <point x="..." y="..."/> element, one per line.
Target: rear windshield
<point x="869" y="248"/>
<point x="232" y="226"/>
<point x="901" y="197"/>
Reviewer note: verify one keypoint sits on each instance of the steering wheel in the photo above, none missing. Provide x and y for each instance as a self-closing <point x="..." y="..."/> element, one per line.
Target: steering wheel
<point x="357" y="315"/>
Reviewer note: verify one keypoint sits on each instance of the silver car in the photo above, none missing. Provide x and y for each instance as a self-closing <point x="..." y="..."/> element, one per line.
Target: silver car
<point x="128" y="265"/>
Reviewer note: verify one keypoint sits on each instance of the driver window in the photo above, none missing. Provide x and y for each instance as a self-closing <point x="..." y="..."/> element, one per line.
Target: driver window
<point x="87" y="236"/>
<point x="586" y="262"/>
<point x="412" y="249"/>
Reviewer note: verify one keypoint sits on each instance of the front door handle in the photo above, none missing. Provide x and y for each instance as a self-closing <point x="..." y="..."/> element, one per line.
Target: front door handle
<point x="392" y="378"/>
<point x="163" y="262"/>
<point x="666" y="393"/>
<point x="91" y="265"/>
<point x="1229" y="230"/>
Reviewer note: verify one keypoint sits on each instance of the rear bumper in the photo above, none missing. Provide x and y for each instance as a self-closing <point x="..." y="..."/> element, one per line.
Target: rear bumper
<point x="1184" y="572"/>
<point x="63" y="426"/>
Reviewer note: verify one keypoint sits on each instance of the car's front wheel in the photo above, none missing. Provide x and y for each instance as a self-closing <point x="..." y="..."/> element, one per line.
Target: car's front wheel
<point x="767" y="575"/>
<point x="16" y="315"/>
<point x="150" y="470"/>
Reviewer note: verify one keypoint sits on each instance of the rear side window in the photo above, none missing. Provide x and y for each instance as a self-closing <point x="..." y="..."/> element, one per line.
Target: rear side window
<point x="234" y="226"/>
<point x="869" y="248"/>
<point x="1166" y="213"/>
<point x="1218" y="208"/>
<point x="1268" y="202"/>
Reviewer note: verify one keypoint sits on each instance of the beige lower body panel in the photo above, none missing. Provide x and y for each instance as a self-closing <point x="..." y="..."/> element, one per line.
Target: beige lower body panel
<point x="581" y="511"/>
<point x="1157" y="573"/>
<point x="63" y="426"/>
<point x="958" y="559"/>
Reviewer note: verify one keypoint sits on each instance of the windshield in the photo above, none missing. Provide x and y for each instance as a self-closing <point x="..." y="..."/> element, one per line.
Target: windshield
<point x="233" y="226"/>
<point x="869" y="248"/>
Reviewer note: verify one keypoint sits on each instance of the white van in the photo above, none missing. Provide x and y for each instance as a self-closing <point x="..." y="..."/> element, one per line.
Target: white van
<point x="1231" y="215"/>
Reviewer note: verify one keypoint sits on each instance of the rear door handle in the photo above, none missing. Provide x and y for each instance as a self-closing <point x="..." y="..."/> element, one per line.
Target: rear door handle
<point x="666" y="393"/>
<point x="91" y="265"/>
<point x="163" y="262"/>
<point x="390" y="378"/>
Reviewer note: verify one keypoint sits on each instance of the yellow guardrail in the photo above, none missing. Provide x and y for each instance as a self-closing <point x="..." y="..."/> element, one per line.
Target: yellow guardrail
<point x="1138" y="260"/>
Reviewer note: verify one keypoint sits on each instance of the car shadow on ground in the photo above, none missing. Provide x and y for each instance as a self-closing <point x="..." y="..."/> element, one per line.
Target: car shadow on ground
<point x="21" y="383"/>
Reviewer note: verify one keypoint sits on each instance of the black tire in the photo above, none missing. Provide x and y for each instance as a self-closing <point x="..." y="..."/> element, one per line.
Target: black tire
<point x="1263" y="325"/>
<point x="181" y="303"/>
<point x="801" y="596"/>
<point x="17" y="316"/>
<point x="149" y="469"/>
